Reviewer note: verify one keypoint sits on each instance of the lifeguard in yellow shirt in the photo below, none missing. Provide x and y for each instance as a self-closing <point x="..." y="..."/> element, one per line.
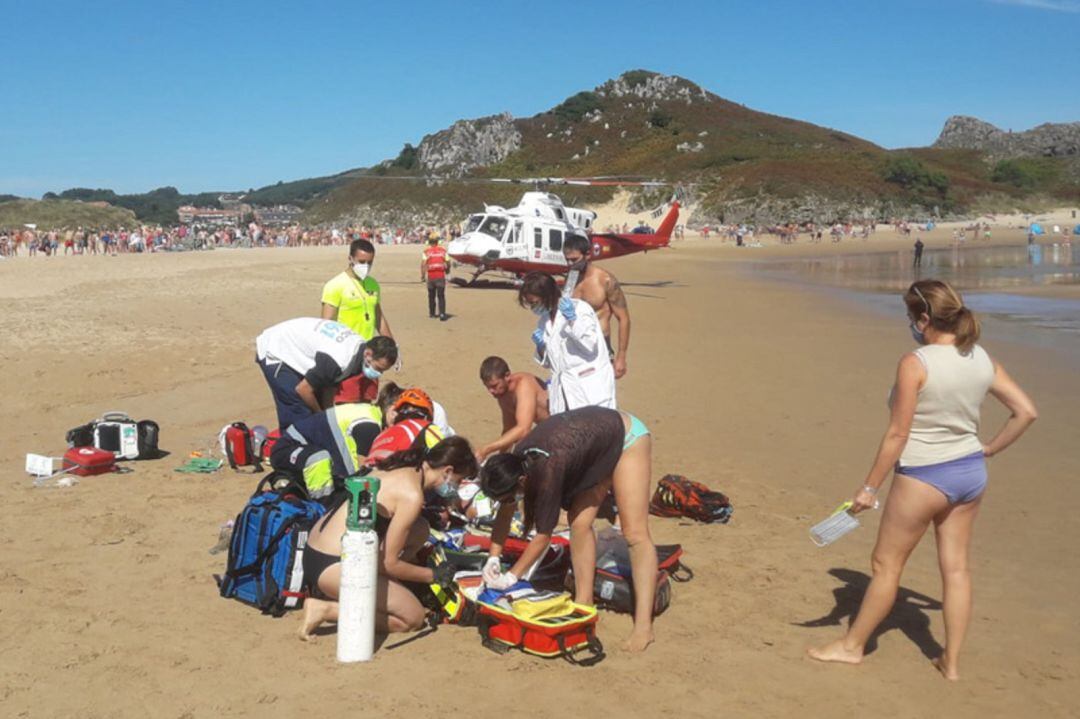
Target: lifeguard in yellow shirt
<point x="354" y="299"/>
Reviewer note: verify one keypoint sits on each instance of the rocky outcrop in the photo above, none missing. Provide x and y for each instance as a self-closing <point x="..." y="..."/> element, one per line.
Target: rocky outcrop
<point x="469" y="143"/>
<point x="652" y="86"/>
<point x="1049" y="140"/>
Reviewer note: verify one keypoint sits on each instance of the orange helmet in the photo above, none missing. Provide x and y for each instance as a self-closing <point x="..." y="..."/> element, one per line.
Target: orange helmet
<point x="415" y="397"/>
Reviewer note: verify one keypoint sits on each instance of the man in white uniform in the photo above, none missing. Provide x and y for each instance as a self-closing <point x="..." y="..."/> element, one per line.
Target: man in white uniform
<point x="305" y="359"/>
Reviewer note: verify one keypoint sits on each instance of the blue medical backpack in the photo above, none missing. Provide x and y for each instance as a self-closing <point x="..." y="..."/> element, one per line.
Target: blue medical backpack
<point x="265" y="566"/>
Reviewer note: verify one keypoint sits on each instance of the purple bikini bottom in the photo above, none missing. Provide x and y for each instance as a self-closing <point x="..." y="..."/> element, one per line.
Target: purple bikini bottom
<point x="960" y="480"/>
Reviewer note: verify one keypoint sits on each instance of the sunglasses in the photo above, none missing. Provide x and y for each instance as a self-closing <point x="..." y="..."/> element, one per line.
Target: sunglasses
<point x="921" y="297"/>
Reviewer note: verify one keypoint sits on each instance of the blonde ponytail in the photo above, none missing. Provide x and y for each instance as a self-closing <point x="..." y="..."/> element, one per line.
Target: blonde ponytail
<point x="967" y="330"/>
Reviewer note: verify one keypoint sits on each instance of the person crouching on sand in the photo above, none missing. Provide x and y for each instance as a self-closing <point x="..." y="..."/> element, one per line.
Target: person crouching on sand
<point x="939" y="464"/>
<point x="402" y="531"/>
<point x="572" y="461"/>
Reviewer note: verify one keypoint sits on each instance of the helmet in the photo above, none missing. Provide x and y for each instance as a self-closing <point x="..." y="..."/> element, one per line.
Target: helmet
<point x="415" y="397"/>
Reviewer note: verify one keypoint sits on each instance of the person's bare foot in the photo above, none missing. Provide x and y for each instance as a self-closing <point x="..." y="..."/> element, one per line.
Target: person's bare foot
<point x="315" y="611"/>
<point x="949" y="673"/>
<point x="639" y="641"/>
<point x="835" y="652"/>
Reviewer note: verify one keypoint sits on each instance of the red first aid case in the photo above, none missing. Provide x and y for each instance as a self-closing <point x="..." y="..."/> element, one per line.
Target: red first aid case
<point x="85" y="461"/>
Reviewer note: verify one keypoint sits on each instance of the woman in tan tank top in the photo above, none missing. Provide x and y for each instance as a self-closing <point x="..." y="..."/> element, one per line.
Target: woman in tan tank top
<point x="933" y="449"/>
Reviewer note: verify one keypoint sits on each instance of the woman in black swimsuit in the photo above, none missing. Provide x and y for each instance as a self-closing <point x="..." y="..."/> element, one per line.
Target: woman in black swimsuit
<point x="404" y="477"/>
<point x="572" y="461"/>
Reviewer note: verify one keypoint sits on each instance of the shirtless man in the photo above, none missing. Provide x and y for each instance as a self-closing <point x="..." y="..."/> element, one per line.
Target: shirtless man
<point x="522" y="399"/>
<point x="602" y="291"/>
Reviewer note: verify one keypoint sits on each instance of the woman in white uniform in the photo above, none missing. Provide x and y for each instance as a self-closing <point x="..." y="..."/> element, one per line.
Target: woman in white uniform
<point x="570" y="342"/>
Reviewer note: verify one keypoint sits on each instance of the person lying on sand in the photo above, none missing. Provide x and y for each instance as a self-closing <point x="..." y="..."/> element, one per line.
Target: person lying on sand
<point x="940" y="464"/>
<point x="572" y="461"/>
<point x="402" y="532"/>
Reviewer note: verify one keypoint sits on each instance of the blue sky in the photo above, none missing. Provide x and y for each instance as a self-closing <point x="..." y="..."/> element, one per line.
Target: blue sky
<point x="231" y="95"/>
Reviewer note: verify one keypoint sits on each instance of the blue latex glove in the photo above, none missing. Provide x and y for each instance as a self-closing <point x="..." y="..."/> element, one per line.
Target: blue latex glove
<point x="566" y="309"/>
<point x="538" y="339"/>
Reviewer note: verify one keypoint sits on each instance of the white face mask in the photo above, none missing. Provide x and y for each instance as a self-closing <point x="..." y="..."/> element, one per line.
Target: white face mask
<point x="361" y="269"/>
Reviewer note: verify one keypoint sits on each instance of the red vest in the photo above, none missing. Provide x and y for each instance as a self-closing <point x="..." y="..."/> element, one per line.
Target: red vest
<point x="435" y="262"/>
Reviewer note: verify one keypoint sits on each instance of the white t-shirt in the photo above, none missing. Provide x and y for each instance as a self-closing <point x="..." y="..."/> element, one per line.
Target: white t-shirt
<point x="323" y="351"/>
<point x="440" y="420"/>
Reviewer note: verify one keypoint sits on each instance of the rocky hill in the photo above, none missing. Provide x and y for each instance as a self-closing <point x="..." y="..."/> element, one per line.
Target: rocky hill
<point x="1049" y="140"/>
<point x="737" y="163"/>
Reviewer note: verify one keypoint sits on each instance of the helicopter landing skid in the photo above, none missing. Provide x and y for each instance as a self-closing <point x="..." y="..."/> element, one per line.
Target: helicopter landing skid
<point x="501" y="280"/>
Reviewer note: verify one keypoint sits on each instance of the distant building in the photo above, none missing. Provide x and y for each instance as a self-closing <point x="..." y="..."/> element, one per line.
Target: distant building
<point x="208" y="216"/>
<point x="280" y="215"/>
<point x="230" y="201"/>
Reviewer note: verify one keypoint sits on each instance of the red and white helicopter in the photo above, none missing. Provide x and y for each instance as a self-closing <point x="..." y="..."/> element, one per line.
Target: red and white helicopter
<point x="530" y="237"/>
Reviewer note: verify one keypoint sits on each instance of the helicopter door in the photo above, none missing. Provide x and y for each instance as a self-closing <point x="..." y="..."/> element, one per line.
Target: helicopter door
<point x="553" y="250"/>
<point x="515" y="241"/>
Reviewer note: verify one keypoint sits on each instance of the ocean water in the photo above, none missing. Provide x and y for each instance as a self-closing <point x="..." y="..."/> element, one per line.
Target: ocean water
<point x="986" y="276"/>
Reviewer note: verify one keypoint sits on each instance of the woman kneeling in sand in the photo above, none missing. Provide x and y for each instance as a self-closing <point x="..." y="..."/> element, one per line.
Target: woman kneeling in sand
<point x="574" y="460"/>
<point x="404" y="477"/>
<point x="933" y="446"/>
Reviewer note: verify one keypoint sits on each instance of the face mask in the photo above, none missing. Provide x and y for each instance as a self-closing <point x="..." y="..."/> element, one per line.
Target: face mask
<point x="371" y="373"/>
<point x="540" y="311"/>
<point x="917" y="334"/>
<point x="579" y="265"/>
<point x="360" y="269"/>
<point x="446" y="490"/>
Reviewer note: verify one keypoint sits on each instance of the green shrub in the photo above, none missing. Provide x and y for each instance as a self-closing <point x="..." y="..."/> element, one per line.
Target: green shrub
<point x="1026" y="173"/>
<point x="408" y="158"/>
<point x="635" y="78"/>
<point x="577" y="106"/>
<point x="913" y="176"/>
<point x="659" y="118"/>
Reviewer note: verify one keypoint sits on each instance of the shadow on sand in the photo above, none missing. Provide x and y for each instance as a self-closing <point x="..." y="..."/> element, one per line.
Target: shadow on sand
<point x="908" y="614"/>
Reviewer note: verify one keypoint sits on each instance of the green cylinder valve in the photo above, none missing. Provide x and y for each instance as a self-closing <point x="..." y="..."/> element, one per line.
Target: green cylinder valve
<point x="363" y="494"/>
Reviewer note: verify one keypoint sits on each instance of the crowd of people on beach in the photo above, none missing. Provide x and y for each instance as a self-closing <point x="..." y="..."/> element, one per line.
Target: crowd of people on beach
<point x="32" y="242"/>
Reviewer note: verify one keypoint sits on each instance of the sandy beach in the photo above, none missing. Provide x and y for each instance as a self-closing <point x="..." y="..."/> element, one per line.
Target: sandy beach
<point x="774" y="393"/>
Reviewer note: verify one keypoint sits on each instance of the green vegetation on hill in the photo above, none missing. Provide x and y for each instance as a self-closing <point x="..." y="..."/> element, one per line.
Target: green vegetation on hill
<point x="59" y="214"/>
<point x="155" y="207"/>
<point x="299" y="192"/>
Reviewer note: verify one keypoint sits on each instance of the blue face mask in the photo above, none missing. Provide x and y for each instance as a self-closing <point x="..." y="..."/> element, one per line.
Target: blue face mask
<point x="917" y="334"/>
<point x="371" y="373"/>
<point x="540" y="311"/>
<point x="446" y="490"/>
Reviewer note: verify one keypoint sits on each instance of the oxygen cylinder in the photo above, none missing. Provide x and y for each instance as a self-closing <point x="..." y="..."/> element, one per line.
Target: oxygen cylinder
<point x="359" y="573"/>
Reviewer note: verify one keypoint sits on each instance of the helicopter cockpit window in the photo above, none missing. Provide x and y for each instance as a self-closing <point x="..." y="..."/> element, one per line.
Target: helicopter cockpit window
<point x="555" y="240"/>
<point x="494" y="226"/>
<point x="474" y="222"/>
